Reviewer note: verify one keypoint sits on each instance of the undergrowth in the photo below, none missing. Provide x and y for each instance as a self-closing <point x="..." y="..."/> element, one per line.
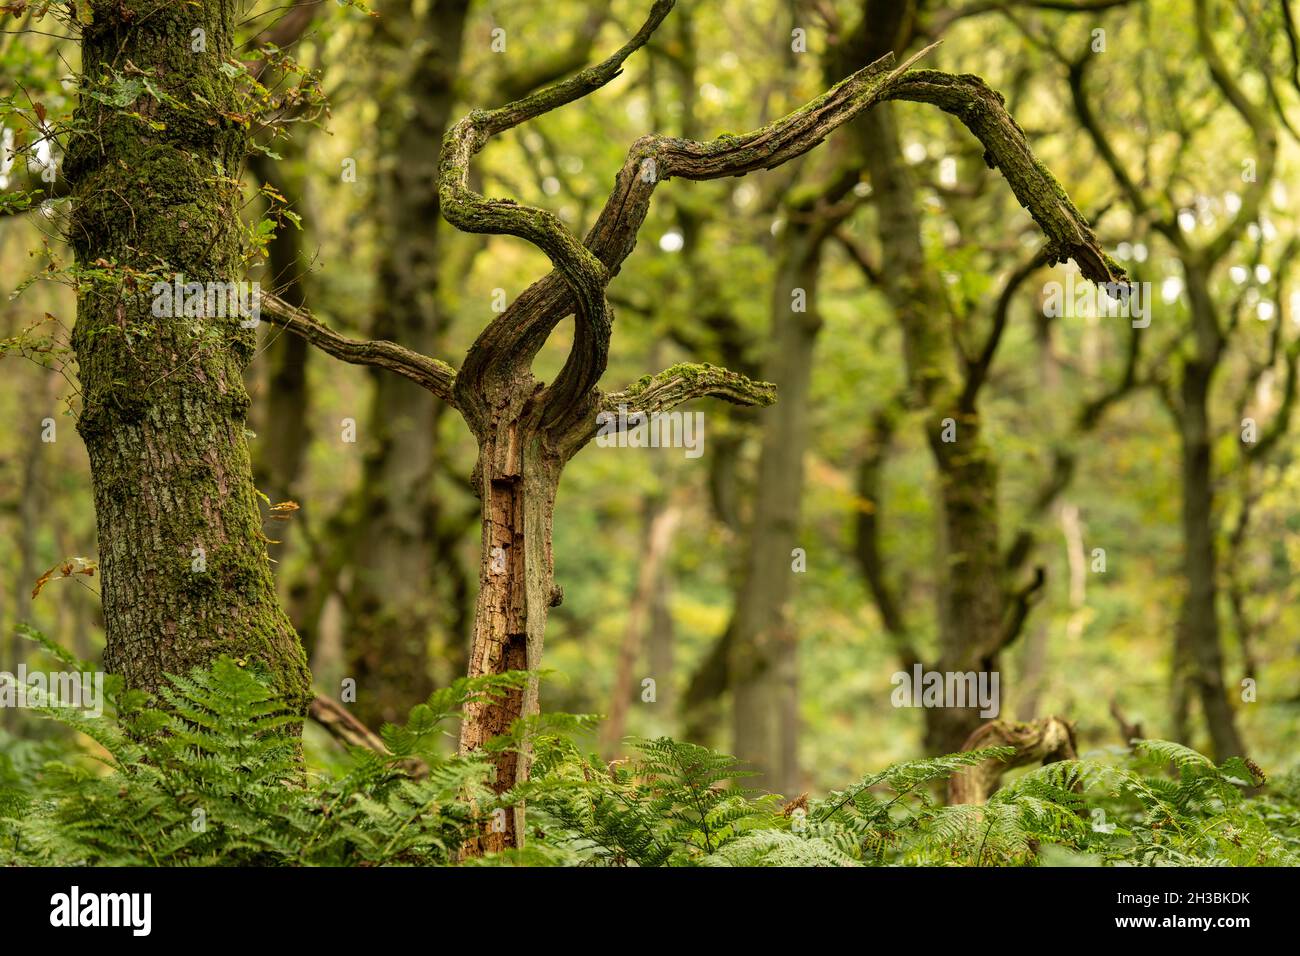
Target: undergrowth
<point x="209" y="776"/>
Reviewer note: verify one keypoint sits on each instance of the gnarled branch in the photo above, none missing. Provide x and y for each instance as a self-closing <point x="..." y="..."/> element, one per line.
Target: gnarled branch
<point x="686" y="381"/>
<point x="984" y="113"/>
<point x="438" y="377"/>
<point x="581" y="271"/>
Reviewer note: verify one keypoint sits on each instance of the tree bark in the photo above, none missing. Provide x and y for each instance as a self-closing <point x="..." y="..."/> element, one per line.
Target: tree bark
<point x="517" y="481"/>
<point x="185" y="569"/>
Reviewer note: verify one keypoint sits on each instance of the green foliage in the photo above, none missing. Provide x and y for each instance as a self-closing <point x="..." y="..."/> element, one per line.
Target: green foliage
<point x="673" y="804"/>
<point x="208" y="776"/>
<point x="212" y="778"/>
<point x="669" y="806"/>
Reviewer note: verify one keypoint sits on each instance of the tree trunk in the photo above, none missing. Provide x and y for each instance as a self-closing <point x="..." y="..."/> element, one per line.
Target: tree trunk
<point x="517" y="480"/>
<point x="661" y="524"/>
<point x="970" y="582"/>
<point x="762" y="662"/>
<point x="1199" y="621"/>
<point x="969" y="586"/>
<point x="393" y="610"/>
<point x="185" y="569"/>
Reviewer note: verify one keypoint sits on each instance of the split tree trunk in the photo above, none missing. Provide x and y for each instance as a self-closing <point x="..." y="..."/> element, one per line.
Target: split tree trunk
<point x="517" y="481"/>
<point x="185" y="571"/>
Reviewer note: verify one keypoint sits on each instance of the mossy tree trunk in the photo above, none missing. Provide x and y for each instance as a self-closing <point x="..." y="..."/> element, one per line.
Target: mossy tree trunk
<point x="1200" y="636"/>
<point x="979" y="609"/>
<point x="183" y="556"/>
<point x="969" y="583"/>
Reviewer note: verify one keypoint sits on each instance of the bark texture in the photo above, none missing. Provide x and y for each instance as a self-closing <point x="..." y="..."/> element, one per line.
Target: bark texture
<point x="164" y="403"/>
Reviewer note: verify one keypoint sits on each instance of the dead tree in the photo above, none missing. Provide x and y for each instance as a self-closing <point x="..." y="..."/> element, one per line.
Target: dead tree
<point x="528" y="430"/>
<point x="1046" y="740"/>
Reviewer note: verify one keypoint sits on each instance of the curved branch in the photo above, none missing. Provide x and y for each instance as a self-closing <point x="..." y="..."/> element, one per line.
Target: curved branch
<point x="984" y="113"/>
<point x="684" y="382"/>
<point x="581" y="271"/>
<point x="525" y="326"/>
<point x="978" y="369"/>
<point x="438" y="377"/>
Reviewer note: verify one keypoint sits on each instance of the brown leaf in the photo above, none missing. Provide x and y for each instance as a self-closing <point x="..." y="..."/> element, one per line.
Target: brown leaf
<point x="43" y="580"/>
<point x="66" y="568"/>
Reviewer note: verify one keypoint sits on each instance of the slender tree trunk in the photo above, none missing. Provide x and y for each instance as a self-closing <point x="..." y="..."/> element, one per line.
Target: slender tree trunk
<point x="1199" y="622"/>
<point x="762" y="663"/>
<point x="661" y="524"/>
<point x="393" y="611"/>
<point x="185" y="570"/>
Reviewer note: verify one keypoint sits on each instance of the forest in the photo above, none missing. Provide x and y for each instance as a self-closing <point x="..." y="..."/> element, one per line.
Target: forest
<point x="648" y="433"/>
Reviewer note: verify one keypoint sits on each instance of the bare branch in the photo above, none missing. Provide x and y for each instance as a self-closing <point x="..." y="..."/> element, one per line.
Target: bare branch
<point x="339" y="723"/>
<point x="1019" y="605"/>
<point x="983" y="112"/>
<point x="438" y="377"/>
<point x="285" y="32"/>
<point x="978" y="369"/>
